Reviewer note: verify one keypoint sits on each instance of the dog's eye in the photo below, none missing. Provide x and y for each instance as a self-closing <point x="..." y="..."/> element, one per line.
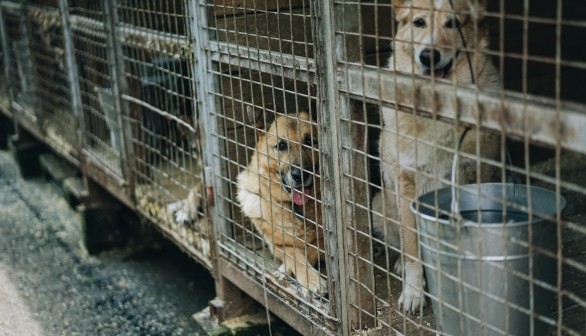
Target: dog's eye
<point x="453" y="23"/>
<point x="419" y="23"/>
<point x="308" y="141"/>
<point x="281" y="145"/>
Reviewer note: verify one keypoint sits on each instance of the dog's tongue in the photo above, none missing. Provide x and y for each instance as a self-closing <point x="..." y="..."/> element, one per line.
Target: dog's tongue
<point x="300" y="197"/>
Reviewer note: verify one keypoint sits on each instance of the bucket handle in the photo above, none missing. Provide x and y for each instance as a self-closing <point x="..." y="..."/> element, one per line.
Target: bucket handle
<point x="455" y="206"/>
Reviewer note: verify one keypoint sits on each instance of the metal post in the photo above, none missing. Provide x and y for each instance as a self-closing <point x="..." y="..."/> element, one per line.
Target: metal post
<point x="119" y="87"/>
<point x="72" y="74"/>
<point x="22" y="11"/>
<point x="233" y="301"/>
<point x="330" y="160"/>
<point x="354" y="300"/>
<point x="204" y="83"/>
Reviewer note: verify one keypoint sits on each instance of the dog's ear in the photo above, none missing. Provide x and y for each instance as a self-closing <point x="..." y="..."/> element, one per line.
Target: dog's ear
<point x="401" y="3"/>
<point x="261" y="119"/>
<point x="478" y="8"/>
<point x="483" y="4"/>
<point x="401" y="9"/>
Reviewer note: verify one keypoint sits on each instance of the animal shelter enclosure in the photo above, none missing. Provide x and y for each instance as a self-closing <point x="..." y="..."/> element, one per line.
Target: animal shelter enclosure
<point x="357" y="167"/>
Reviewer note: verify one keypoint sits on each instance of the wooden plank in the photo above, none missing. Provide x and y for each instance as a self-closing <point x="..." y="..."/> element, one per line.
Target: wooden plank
<point x="358" y="239"/>
<point x="292" y="67"/>
<point x="513" y="114"/>
<point x="232" y="7"/>
<point x="285" y="32"/>
<point x="302" y="323"/>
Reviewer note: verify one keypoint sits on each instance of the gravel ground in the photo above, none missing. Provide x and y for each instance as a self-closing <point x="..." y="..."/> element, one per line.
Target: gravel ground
<point x="49" y="285"/>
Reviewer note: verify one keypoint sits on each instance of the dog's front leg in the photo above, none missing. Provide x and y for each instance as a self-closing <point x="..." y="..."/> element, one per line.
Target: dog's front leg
<point x="412" y="298"/>
<point x="300" y="262"/>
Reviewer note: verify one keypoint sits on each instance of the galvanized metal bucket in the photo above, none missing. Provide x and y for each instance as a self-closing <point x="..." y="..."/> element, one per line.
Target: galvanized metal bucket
<point x="492" y="269"/>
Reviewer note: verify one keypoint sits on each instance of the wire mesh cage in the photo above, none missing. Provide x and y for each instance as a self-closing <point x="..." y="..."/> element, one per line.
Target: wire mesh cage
<point x="267" y="131"/>
<point x="52" y="91"/>
<point x="20" y="68"/>
<point x="377" y="167"/>
<point x="165" y="143"/>
<point x="102" y="131"/>
<point x="447" y="117"/>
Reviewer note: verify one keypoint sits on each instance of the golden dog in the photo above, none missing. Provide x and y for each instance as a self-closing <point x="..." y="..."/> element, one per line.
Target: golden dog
<point x="279" y="191"/>
<point x="417" y="152"/>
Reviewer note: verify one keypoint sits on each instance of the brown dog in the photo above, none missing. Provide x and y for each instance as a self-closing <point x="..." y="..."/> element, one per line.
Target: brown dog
<point x="417" y="152"/>
<point x="279" y="191"/>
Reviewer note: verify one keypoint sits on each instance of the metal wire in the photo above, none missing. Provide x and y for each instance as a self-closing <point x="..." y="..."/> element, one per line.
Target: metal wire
<point x="159" y="117"/>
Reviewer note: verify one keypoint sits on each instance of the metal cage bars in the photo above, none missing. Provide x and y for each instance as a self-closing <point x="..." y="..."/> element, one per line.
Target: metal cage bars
<point x="343" y="82"/>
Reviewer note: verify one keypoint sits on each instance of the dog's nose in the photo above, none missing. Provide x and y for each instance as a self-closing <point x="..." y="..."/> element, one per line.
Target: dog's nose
<point x="297" y="174"/>
<point x="300" y="176"/>
<point x="426" y="57"/>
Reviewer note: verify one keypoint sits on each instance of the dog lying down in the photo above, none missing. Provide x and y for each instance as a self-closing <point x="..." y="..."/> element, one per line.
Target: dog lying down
<point x="279" y="192"/>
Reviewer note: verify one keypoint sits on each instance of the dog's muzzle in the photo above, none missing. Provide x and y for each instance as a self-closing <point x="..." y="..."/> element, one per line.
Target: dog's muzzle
<point x="427" y="59"/>
<point x="439" y="73"/>
<point x="299" y="182"/>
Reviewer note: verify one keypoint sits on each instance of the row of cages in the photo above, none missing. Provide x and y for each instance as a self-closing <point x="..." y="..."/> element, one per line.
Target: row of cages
<point x="360" y="167"/>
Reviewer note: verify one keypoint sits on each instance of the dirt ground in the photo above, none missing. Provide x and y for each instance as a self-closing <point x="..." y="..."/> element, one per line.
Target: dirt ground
<point x="49" y="285"/>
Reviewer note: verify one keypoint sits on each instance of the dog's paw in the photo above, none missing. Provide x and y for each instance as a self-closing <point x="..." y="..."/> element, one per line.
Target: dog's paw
<point x="412" y="299"/>
<point x="182" y="216"/>
<point x="174" y="207"/>
<point x="317" y="284"/>
<point x="281" y="273"/>
<point x="316" y="289"/>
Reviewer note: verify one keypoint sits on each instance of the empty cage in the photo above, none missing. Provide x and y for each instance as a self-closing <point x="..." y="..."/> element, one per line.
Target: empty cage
<point x="101" y="130"/>
<point x="52" y="100"/>
<point x="19" y="61"/>
<point x="156" y="43"/>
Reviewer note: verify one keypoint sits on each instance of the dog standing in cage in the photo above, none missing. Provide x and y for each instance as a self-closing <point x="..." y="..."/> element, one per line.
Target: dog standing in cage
<point x="444" y="40"/>
<point x="279" y="192"/>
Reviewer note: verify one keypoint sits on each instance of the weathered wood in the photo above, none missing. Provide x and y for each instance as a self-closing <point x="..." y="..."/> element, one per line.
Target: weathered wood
<point x="514" y="114"/>
<point x="230" y="301"/>
<point x="301" y="322"/>
<point x="287" y="31"/>
<point x="231" y="7"/>
<point x="355" y="196"/>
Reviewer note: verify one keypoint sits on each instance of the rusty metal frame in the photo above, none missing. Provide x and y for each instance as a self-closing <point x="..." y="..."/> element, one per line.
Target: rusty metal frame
<point x="72" y="74"/>
<point x="119" y="86"/>
<point x="329" y="154"/>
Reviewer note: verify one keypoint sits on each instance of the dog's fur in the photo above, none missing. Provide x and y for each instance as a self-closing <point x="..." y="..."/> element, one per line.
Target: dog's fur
<point x="279" y="191"/>
<point x="413" y="161"/>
